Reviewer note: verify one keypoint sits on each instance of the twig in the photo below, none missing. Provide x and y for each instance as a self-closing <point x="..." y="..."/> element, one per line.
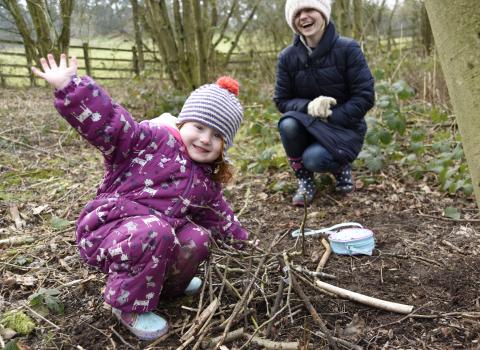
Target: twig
<point x="325" y="256"/>
<point x="17" y="240"/>
<point x="313" y="273"/>
<point x="269" y="344"/>
<point x="240" y="303"/>
<point x="231" y="336"/>
<point x="121" y="338"/>
<point x="302" y="225"/>
<point x="40" y="316"/>
<point x="366" y="300"/>
<point x="32" y="148"/>
<point x="199" y="321"/>
<point x="276" y="305"/>
<point x="340" y="341"/>
<point x="299" y="291"/>
<point x="447" y="219"/>
<point x="245" y="205"/>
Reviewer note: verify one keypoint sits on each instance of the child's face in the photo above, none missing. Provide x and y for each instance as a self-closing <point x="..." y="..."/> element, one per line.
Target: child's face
<point x="203" y="143"/>
<point x="309" y="22"/>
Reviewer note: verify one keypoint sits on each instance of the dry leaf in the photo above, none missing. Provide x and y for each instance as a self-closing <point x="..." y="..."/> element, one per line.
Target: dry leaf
<point x="7" y="333"/>
<point x="39" y="209"/>
<point x="354" y="329"/>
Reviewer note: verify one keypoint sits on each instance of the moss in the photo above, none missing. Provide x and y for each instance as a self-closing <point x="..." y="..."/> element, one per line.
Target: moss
<point x="18" y="321"/>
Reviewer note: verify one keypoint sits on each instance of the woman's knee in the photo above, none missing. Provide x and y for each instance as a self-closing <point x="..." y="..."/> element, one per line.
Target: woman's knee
<point x="319" y="159"/>
<point x="290" y="127"/>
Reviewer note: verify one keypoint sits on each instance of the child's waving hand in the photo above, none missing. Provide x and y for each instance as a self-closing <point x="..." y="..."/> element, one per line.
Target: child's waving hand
<point x="57" y="76"/>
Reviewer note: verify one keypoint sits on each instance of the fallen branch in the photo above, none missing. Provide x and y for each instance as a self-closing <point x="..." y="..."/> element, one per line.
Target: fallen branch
<point x="269" y="344"/>
<point x="325" y="256"/>
<point x="299" y="291"/>
<point x="366" y="300"/>
<point x="231" y="336"/>
<point x="200" y="320"/>
<point x="17" y="240"/>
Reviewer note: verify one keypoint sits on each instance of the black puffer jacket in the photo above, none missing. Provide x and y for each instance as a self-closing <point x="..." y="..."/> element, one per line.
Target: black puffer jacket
<point x="336" y="68"/>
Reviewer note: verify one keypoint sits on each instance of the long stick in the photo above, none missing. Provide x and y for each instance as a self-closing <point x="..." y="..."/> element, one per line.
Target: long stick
<point x="364" y="299"/>
<point x="299" y="291"/>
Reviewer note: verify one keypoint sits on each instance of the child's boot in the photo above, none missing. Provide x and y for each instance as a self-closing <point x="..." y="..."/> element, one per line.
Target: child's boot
<point x="194" y="286"/>
<point x="344" y="180"/>
<point x="146" y="326"/>
<point x="306" y="184"/>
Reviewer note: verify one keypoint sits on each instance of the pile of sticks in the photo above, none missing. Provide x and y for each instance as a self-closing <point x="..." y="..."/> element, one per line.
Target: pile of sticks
<point x="250" y="293"/>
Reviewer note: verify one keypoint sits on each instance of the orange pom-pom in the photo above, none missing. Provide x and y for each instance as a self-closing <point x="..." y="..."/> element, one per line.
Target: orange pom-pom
<point x="228" y="83"/>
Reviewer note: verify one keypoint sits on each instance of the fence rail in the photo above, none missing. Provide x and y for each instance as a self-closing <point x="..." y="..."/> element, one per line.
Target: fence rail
<point x="90" y="63"/>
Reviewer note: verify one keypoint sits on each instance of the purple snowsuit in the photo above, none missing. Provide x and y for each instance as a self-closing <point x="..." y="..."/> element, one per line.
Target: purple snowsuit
<point x="150" y="224"/>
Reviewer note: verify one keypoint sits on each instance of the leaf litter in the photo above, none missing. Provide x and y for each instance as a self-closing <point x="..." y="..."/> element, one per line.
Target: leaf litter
<point x="427" y="255"/>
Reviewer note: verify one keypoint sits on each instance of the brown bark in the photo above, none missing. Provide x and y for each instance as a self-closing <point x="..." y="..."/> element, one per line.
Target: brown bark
<point x="138" y="34"/>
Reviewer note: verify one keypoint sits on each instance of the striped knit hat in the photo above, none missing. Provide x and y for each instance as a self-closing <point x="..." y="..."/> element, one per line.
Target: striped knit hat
<point x="217" y="106"/>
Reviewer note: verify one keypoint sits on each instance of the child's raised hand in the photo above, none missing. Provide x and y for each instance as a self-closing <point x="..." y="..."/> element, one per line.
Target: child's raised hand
<point x="57" y="76"/>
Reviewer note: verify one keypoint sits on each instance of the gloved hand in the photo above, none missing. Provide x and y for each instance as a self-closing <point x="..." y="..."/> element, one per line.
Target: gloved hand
<point x="321" y="107"/>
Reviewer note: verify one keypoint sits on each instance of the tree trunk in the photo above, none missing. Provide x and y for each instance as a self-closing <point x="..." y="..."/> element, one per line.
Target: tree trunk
<point x="184" y="35"/>
<point x="426" y="31"/>
<point x="456" y="30"/>
<point x="342" y="16"/>
<point x="47" y="40"/>
<point x="357" y="19"/>
<point x="138" y="34"/>
<point x="390" y="38"/>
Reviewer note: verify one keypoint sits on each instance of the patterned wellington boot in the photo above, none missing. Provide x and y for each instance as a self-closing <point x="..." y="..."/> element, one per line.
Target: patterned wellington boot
<point x="306" y="183"/>
<point x="146" y="326"/>
<point x="344" y="180"/>
<point x="194" y="286"/>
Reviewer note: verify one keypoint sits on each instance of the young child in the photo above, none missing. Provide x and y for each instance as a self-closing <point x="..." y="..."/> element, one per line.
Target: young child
<point x="160" y="200"/>
<point x="324" y="88"/>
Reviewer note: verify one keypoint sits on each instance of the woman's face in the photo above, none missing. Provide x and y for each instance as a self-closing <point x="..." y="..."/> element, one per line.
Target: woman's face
<point x="310" y="24"/>
<point x="203" y="143"/>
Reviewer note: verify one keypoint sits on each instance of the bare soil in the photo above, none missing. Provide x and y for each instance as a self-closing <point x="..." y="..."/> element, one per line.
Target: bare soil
<point x="422" y="258"/>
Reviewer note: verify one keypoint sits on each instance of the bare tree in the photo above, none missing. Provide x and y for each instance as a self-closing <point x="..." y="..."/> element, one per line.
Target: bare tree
<point x="357" y="19"/>
<point x="188" y="34"/>
<point x="138" y="32"/>
<point x="44" y="37"/>
<point x="341" y="13"/>
<point x="456" y="29"/>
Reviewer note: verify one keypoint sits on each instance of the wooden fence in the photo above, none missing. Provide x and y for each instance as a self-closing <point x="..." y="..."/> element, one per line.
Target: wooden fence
<point x="94" y="64"/>
<point x="91" y="64"/>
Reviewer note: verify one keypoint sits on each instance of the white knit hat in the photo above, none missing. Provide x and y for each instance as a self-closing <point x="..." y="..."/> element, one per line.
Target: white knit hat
<point x="217" y="106"/>
<point x="293" y="6"/>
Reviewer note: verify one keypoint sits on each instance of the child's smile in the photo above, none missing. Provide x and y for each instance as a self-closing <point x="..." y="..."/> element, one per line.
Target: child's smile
<point x="203" y="143"/>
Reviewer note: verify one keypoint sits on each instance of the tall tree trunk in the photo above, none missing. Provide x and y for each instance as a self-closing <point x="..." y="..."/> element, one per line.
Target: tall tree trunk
<point x="138" y="33"/>
<point x="456" y="30"/>
<point x="184" y="34"/>
<point x="47" y="40"/>
<point x="342" y="16"/>
<point x="390" y="38"/>
<point x="357" y="19"/>
<point x="426" y="31"/>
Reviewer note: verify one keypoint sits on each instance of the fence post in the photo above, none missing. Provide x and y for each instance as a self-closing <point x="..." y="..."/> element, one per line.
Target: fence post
<point x="3" y="82"/>
<point x="136" y="67"/>
<point x="87" y="59"/>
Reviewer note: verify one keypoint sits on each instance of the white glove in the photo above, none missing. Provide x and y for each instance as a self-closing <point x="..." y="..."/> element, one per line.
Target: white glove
<point x="320" y="107"/>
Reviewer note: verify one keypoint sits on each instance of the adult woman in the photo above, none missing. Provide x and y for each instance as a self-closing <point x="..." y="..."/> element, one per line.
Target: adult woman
<point x="323" y="89"/>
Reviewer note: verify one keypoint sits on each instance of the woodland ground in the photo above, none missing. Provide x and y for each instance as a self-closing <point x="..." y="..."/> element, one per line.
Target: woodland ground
<point x="422" y="258"/>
